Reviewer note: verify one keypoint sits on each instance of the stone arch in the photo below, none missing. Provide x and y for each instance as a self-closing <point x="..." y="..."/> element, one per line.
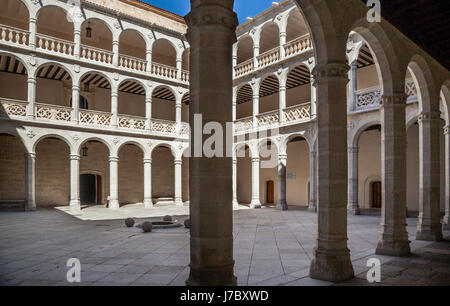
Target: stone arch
<point x="130" y="40"/>
<point x="295" y="25"/>
<point x="53" y="135"/>
<point x="269" y="36"/>
<point x="104" y="26"/>
<point x="135" y="143"/>
<point x="88" y="139"/>
<point x="445" y="89"/>
<point x="284" y="143"/>
<point x="353" y="141"/>
<point x="21" y="70"/>
<point x="244" y="146"/>
<point x="55" y="63"/>
<point x="164" y="145"/>
<point x="21" y="9"/>
<point x="244" y="48"/>
<point x="64" y="25"/>
<point x="164" y="52"/>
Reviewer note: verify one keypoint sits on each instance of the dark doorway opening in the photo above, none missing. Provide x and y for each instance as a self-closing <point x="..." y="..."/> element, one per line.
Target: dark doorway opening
<point x="376" y="195"/>
<point x="270" y="192"/>
<point x="90" y="188"/>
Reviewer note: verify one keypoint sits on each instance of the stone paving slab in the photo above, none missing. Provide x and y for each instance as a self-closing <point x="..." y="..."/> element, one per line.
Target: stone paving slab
<point x="271" y="248"/>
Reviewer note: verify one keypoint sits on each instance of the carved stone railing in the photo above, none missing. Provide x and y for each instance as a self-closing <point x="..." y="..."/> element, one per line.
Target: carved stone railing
<point x="185" y="75"/>
<point x="298" y="112"/>
<point x="12" y="108"/>
<point x="53" y="112"/>
<point x="132" y="63"/>
<point x="164" y="71"/>
<point x="169" y="127"/>
<point x="90" y="117"/>
<point x="131" y="122"/>
<point x="410" y="90"/>
<point x="14" y="36"/>
<point x="244" y="68"/>
<point x="53" y="44"/>
<point x="269" y="118"/>
<point x="96" y="55"/>
<point x="298" y="45"/>
<point x="368" y="98"/>
<point x="268" y="57"/>
<point x="243" y="124"/>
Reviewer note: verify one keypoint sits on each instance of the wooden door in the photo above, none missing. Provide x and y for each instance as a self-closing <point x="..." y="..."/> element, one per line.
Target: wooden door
<point x="270" y="192"/>
<point x="376" y="195"/>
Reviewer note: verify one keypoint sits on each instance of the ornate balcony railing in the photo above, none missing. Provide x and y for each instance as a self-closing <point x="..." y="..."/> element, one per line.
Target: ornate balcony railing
<point x="269" y="118"/>
<point x="96" y="55"/>
<point x="13" y="35"/>
<point x="410" y="89"/>
<point x="131" y="122"/>
<point x="170" y="127"/>
<point x="368" y="98"/>
<point x="164" y="71"/>
<point x="185" y="75"/>
<point x="243" y="124"/>
<point x="53" y="112"/>
<point x="298" y="112"/>
<point x="12" y="108"/>
<point x="132" y="63"/>
<point x="298" y="45"/>
<point x="244" y="68"/>
<point x="268" y="57"/>
<point x="90" y="117"/>
<point x="53" y="44"/>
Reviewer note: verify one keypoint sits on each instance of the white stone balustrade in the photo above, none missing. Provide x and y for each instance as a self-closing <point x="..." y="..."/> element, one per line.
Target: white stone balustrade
<point x="244" y="68"/>
<point x="410" y="90"/>
<point x="269" y="118"/>
<point x="269" y="57"/>
<point x="14" y="36"/>
<point x="132" y="63"/>
<point x="90" y="117"/>
<point x="298" y="45"/>
<point x="169" y="127"/>
<point x="12" y="108"/>
<point x="53" y="112"/>
<point x="244" y="124"/>
<point x="164" y="71"/>
<point x="185" y="76"/>
<point x="55" y="45"/>
<point x="131" y="122"/>
<point x="96" y="55"/>
<point x="298" y="112"/>
<point x="368" y="98"/>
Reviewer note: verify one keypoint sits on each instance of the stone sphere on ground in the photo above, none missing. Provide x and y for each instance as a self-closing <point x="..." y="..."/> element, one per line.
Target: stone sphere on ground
<point x="167" y="218"/>
<point x="187" y="223"/>
<point x="147" y="227"/>
<point x="129" y="222"/>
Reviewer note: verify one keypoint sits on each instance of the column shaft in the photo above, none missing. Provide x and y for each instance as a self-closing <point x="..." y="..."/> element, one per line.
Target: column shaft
<point x="235" y="201"/>
<point x="30" y="181"/>
<point x="148" y="113"/>
<point x="75" y="182"/>
<point x="211" y="35"/>
<point x="75" y="103"/>
<point x="353" y="86"/>
<point x="313" y="182"/>
<point x="282" y="102"/>
<point x="353" y="206"/>
<point x="33" y="30"/>
<point x="256" y="203"/>
<point x="446" y="225"/>
<point x="31" y="97"/>
<point x="116" y="53"/>
<point x="114" y="182"/>
<point x="429" y="227"/>
<point x="148" y="183"/>
<point x="77" y="41"/>
<point x="178" y="182"/>
<point x="148" y="56"/>
<point x="393" y="239"/>
<point x="331" y="260"/>
<point x="114" y="107"/>
<point x="255" y="108"/>
<point x="282" y="161"/>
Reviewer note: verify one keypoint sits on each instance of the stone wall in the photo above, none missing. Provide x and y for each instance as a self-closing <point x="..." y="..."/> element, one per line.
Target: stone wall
<point x="12" y="168"/>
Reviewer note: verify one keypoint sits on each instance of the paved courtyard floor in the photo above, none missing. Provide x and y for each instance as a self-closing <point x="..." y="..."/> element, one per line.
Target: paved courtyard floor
<point x="271" y="248"/>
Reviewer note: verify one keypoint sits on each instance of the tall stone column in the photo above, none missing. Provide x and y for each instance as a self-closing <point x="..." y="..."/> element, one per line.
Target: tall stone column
<point x="282" y="161"/>
<point x="313" y="181"/>
<point x="148" y="183"/>
<point x="75" y="103"/>
<point x="31" y="81"/>
<point x="282" y="43"/>
<point x="331" y="260"/>
<point x="282" y="102"/>
<point x="148" y="113"/>
<point x="115" y="50"/>
<point x="178" y="182"/>
<point x="313" y="99"/>
<point x="33" y="31"/>
<point x="114" y="106"/>
<point x="446" y="225"/>
<point x="114" y="182"/>
<point x="211" y="35"/>
<point x="148" y="57"/>
<point x="179" y="67"/>
<point x="353" y="86"/>
<point x="255" y="54"/>
<point x="393" y="238"/>
<point x="255" y="203"/>
<point x="75" y="182"/>
<point x="429" y="227"/>
<point x="235" y="201"/>
<point x="353" y="206"/>
<point x="30" y="181"/>
<point x="77" y="41"/>
<point x="255" y="106"/>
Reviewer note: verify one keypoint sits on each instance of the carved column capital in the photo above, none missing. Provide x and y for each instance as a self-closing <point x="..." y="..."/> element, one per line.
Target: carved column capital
<point x="330" y="72"/>
<point x="393" y="99"/>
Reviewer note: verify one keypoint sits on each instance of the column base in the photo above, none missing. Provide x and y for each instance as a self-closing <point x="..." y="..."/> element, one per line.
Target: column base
<point x="30" y="207"/>
<point x="282" y="206"/>
<point x="430" y="233"/>
<point x="114" y="204"/>
<point x="312" y="209"/>
<point x="354" y="211"/>
<point x="398" y="248"/>
<point x="331" y="266"/>
<point x="223" y="276"/>
<point x="179" y="203"/>
<point x="75" y="205"/>
<point x="255" y="204"/>
<point x="235" y="204"/>
<point x="148" y="203"/>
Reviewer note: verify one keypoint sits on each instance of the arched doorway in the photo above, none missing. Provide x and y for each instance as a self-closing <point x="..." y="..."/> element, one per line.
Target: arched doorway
<point x="376" y="194"/>
<point x="91" y="189"/>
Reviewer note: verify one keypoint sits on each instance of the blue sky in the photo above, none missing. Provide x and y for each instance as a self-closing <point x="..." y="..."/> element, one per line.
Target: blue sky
<point x="244" y="8"/>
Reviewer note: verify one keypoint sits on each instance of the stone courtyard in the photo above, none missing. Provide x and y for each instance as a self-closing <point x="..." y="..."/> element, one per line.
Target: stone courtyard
<point x="271" y="248"/>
